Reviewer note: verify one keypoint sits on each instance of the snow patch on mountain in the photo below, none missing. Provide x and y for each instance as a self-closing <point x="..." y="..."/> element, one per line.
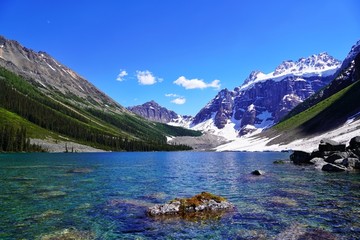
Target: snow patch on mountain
<point x="229" y="132"/>
<point x="266" y="120"/>
<point x="320" y="65"/>
<point x="254" y="143"/>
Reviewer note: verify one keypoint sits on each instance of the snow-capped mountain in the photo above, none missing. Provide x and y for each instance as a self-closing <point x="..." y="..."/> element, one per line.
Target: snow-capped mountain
<point x="320" y="65"/>
<point x="344" y="76"/>
<point x="264" y="99"/>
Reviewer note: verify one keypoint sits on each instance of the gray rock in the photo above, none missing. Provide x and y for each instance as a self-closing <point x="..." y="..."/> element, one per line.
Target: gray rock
<point x="335" y="156"/>
<point x="318" y="162"/>
<point x="164" y="209"/>
<point x="350" y="163"/>
<point x="354" y="143"/>
<point x="332" y="146"/>
<point x="329" y="167"/>
<point x="204" y="202"/>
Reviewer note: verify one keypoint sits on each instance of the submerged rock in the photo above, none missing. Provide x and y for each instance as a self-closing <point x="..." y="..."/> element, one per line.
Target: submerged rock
<point x="204" y="202"/>
<point x="69" y="234"/>
<point x="258" y="172"/>
<point x="302" y="232"/>
<point x="283" y="201"/>
<point x="47" y="214"/>
<point x="51" y="194"/>
<point x="280" y="162"/>
<point x="80" y="170"/>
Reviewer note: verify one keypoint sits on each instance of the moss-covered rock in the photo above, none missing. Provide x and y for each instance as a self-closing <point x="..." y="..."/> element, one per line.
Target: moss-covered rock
<point x="203" y="202"/>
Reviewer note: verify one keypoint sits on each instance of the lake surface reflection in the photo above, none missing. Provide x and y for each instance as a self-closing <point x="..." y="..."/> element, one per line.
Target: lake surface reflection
<point x="105" y="195"/>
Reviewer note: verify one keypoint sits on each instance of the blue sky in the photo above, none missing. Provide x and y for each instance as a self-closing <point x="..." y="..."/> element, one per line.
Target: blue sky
<point x="179" y="53"/>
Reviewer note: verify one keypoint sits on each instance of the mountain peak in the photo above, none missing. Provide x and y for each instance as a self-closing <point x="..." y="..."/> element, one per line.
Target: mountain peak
<point x="321" y="64"/>
<point x="253" y="75"/>
<point x="313" y="63"/>
<point x="153" y="111"/>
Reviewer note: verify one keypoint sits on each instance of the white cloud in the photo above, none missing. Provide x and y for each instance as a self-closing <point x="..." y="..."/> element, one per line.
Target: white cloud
<point x="179" y="100"/>
<point x="171" y="95"/>
<point x="196" y="83"/>
<point x="146" y="78"/>
<point x="121" y="75"/>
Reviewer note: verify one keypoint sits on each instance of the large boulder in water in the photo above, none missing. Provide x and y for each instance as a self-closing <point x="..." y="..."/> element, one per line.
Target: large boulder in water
<point x="333" y="168"/>
<point x="300" y="157"/>
<point x="354" y="145"/>
<point x="349" y="163"/>
<point x="335" y="156"/>
<point x="204" y="202"/>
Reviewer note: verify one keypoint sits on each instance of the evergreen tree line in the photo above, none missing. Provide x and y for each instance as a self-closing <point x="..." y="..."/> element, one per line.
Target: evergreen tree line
<point x="28" y="90"/>
<point x="16" y="140"/>
<point x="50" y="119"/>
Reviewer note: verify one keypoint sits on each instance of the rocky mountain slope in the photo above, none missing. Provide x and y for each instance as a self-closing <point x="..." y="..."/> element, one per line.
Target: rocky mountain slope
<point x="41" y="99"/>
<point x="264" y="99"/>
<point x="154" y="112"/>
<point x="52" y="77"/>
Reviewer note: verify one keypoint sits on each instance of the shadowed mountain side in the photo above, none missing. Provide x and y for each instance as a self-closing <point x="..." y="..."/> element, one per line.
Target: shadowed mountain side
<point x="327" y="115"/>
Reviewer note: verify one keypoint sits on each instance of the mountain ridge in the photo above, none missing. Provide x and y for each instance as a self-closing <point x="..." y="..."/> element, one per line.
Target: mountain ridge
<point x="263" y="99"/>
<point x="50" y="75"/>
<point x="38" y="89"/>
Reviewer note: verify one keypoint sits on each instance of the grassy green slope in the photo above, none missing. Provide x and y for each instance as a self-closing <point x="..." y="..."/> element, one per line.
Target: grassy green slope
<point x="53" y="114"/>
<point x="10" y="119"/>
<point x="324" y="116"/>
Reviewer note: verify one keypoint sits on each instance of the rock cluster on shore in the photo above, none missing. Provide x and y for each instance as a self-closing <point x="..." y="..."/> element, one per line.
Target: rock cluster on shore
<point x="331" y="156"/>
<point x="204" y="202"/>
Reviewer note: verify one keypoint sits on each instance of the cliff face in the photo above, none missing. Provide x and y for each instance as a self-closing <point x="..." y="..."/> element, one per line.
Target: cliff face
<point x="154" y="112"/>
<point x="264" y="99"/>
<point x="51" y="76"/>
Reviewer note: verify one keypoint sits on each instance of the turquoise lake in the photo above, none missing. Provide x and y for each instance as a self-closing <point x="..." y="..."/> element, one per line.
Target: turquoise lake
<point x="105" y="195"/>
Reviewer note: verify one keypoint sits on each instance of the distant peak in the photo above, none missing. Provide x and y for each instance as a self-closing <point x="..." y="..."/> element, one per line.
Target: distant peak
<point x="253" y="76"/>
<point x="152" y="102"/>
<point x="315" y="62"/>
<point x="355" y="50"/>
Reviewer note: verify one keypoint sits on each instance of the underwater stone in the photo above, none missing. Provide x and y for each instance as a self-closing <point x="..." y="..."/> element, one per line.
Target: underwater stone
<point x="258" y="172"/>
<point x="80" y="170"/>
<point x="70" y="234"/>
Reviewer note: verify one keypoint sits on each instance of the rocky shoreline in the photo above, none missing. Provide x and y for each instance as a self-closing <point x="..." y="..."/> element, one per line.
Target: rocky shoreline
<point x="331" y="156"/>
<point x="57" y="146"/>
